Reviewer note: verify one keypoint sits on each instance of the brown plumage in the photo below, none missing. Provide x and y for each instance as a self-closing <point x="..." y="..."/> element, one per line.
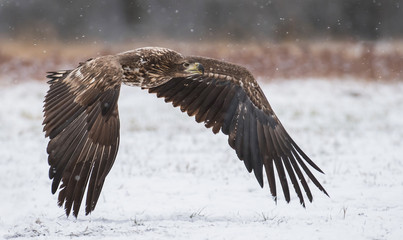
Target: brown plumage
<point x="82" y="122"/>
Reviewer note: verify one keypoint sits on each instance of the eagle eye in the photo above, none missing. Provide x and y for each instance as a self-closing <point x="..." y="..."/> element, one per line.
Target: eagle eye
<point x="186" y="64"/>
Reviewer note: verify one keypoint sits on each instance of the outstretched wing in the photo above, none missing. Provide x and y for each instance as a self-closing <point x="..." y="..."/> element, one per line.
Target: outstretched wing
<point x="82" y="122"/>
<point x="239" y="108"/>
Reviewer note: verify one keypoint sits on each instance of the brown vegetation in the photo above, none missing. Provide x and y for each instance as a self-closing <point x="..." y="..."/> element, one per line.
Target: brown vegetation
<point x="361" y="60"/>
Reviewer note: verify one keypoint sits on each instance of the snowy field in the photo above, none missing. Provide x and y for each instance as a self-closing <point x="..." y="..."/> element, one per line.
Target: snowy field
<point x="174" y="179"/>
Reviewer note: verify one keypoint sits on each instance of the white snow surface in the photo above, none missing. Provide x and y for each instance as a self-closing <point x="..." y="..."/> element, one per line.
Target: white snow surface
<point x="174" y="179"/>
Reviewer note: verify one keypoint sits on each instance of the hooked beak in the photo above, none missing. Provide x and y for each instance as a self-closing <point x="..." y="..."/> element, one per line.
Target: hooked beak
<point x="195" y="68"/>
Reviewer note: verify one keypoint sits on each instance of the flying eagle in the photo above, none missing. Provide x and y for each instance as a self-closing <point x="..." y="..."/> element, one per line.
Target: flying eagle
<point x="82" y="122"/>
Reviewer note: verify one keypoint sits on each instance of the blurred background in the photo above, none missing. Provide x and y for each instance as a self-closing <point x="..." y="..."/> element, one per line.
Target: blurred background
<point x="275" y="39"/>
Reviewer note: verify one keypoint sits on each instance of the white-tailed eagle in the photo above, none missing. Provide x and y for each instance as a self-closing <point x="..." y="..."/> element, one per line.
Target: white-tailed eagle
<point x="82" y="122"/>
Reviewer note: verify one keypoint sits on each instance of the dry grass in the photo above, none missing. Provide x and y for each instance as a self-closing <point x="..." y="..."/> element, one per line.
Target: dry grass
<point x="363" y="60"/>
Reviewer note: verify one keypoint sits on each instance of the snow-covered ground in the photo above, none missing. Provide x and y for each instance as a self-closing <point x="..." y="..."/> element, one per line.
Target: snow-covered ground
<point x="174" y="179"/>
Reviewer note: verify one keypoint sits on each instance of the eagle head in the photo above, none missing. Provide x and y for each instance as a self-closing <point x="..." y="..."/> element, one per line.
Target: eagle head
<point x="153" y="66"/>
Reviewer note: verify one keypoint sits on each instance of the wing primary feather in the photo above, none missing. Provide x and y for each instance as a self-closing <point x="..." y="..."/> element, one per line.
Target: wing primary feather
<point x="279" y="166"/>
<point x="283" y="179"/>
<point x="230" y="104"/>
<point x="295" y="166"/>
<point x="89" y="206"/>
<point x="307" y="159"/>
<point x="294" y="181"/>
<point x="112" y="155"/>
<point x="240" y="135"/>
<point x="269" y="164"/>
<point x="82" y="179"/>
<point x="246" y="141"/>
<point x="308" y="172"/>
<point x="263" y="149"/>
<point x="233" y="128"/>
<point x="301" y="177"/>
<point x="75" y="174"/>
<point x="257" y="164"/>
<point x="286" y="160"/>
<point x="99" y="179"/>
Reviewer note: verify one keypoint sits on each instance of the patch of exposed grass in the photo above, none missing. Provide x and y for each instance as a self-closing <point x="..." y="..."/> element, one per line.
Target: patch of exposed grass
<point x="380" y="61"/>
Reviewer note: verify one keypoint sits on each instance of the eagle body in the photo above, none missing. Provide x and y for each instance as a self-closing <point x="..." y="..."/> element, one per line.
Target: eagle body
<point x="81" y="119"/>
